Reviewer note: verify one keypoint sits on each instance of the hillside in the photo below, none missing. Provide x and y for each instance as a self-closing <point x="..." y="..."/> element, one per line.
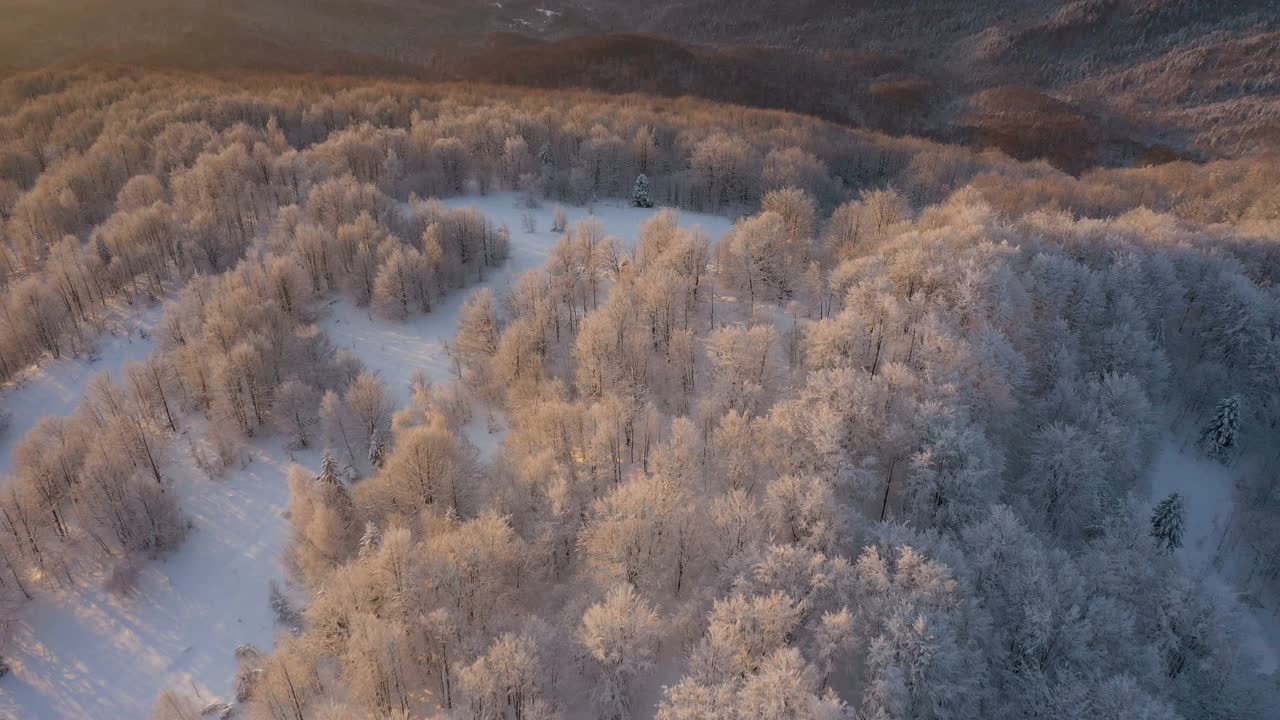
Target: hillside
<point x="1120" y="81"/>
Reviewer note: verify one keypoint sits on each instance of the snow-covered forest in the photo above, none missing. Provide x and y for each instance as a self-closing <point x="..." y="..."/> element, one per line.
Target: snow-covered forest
<point x="330" y="398"/>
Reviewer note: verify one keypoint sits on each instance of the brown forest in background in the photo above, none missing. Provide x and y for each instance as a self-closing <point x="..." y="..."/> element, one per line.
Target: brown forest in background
<point x="1081" y="83"/>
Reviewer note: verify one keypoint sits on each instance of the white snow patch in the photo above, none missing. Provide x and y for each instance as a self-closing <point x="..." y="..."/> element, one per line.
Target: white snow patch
<point x="1207" y="490"/>
<point x="55" y="387"/>
<point x="83" y="652"/>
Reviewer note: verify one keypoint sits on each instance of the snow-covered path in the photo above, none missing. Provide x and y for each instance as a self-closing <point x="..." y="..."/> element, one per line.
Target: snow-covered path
<point x="85" y="653"/>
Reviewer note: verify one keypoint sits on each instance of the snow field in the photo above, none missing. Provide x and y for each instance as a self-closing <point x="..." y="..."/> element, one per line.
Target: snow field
<point x="55" y="387"/>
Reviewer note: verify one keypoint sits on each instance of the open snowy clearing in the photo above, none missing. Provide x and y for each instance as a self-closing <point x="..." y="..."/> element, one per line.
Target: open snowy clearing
<point x="83" y="652"/>
<point x="1206" y="489"/>
<point x="55" y="387"/>
<point x="396" y="350"/>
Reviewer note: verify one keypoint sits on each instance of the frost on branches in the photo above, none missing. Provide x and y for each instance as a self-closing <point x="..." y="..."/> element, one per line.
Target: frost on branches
<point x="1218" y="439"/>
<point x="640" y="192"/>
<point x="1167" y="521"/>
<point x="876" y="449"/>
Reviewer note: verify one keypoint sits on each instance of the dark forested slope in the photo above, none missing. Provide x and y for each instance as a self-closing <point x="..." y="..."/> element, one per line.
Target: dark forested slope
<point x="1081" y="83"/>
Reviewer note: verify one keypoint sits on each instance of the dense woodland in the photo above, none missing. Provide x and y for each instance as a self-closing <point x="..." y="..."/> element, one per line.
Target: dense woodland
<point x="1078" y="82"/>
<point x="878" y="452"/>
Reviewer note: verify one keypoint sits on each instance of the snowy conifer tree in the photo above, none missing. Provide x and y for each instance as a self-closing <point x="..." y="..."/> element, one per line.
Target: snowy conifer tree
<point x="370" y="540"/>
<point x="640" y="192"/>
<point x="104" y="252"/>
<point x="1218" y="439"/>
<point x="328" y="469"/>
<point x="286" y="614"/>
<point x="377" y="448"/>
<point x="1167" y="522"/>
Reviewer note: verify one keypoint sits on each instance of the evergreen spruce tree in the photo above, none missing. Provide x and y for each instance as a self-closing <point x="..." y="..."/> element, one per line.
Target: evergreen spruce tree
<point x="377" y="448"/>
<point x="547" y="171"/>
<point x="370" y="540"/>
<point x="103" y="251"/>
<point x="328" y="470"/>
<point x="286" y="614"/>
<point x="334" y="494"/>
<point x="1219" y="437"/>
<point x="1167" y="522"/>
<point x="640" y="192"/>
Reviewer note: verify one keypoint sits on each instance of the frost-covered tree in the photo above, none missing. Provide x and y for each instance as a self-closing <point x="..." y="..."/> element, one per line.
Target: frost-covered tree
<point x="370" y="540"/>
<point x="1064" y="482"/>
<point x="640" y="192"/>
<point x="1167" y="522"/>
<point x="751" y="260"/>
<point x="507" y="681"/>
<point x="919" y="662"/>
<point x="371" y="407"/>
<point x="611" y="349"/>
<point x="402" y="284"/>
<point x="799" y="218"/>
<point x="640" y="534"/>
<point x="119" y="499"/>
<point x="173" y="706"/>
<point x="338" y="425"/>
<point x="287" y="616"/>
<point x="835" y="640"/>
<point x="743" y="371"/>
<point x="620" y="635"/>
<point x="802" y="510"/>
<point x="955" y="475"/>
<point x="296" y="412"/>
<point x="477" y="337"/>
<point x="475" y="567"/>
<point x="788" y="686"/>
<point x="742" y="632"/>
<point x="378" y="667"/>
<point x="1220" y="437"/>
<point x="744" y="668"/>
<point x="733" y="450"/>
<point x="377" y="448"/>
<point x="328" y="468"/>
<point x="286" y="684"/>
<point x="322" y="516"/>
<point x="429" y="468"/>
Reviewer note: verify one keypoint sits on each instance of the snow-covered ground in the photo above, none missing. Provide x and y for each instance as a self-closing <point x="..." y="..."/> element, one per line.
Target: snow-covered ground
<point x="396" y="350"/>
<point x="55" y="387"/>
<point x="1206" y="489"/>
<point x="86" y="653"/>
